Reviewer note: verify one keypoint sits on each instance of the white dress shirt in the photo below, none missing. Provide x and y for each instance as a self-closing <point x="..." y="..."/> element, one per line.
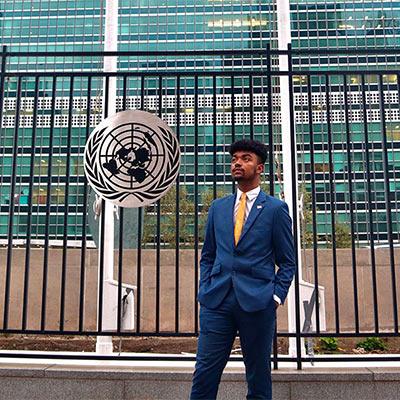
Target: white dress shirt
<point x="251" y="196"/>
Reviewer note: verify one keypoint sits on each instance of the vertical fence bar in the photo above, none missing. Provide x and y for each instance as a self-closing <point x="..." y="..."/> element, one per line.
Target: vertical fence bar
<point x="313" y="202"/>
<point x="101" y="271"/>
<point x="66" y="208"/>
<point x="295" y="213"/>
<point x="139" y="237"/>
<point x="332" y="203"/>
<point x="214" y="137"/>
<point x="124" y="92"/>
<point x="271" y="172"/>
<point x="196" y="200"/>
<point x="29" y="219"/>
<point x="84" y="217"/>
<point x="3" y="56"/>
<point x="106" y="95"/>
<point x="387" y="202"/>
<point x="102" y="226"/>
<point x="139" y="270"/>
<point x="233" y="132"/>
<point x="48" y="205"/>
<point x="251" y="100"/>
<point x="12" y="203"/>
<point x="351" y="205"/>
<point x="369" y="194"/>
<point x="120" y="266"/>
<point x="394" y="172"/>
<point x="2" y="91"/>
<point x="121" y="236"/>
<point x="177" y="207"/>
<point x="270" y="127"/>
<point x="158" y="227"/>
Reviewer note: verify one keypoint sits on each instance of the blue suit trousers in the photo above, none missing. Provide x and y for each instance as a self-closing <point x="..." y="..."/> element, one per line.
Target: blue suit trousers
<point x="218" y="329"/>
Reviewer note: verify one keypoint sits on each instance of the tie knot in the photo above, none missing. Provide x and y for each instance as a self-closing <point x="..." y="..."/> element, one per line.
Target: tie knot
<point x="243" y="197"/>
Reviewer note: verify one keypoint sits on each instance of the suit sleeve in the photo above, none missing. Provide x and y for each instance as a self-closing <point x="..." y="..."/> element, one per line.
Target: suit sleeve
<point x="284" y="251"/>
<point x="209" y="248"/>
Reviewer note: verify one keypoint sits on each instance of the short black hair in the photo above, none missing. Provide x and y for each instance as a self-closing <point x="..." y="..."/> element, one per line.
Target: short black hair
<point x="254" y="146"/>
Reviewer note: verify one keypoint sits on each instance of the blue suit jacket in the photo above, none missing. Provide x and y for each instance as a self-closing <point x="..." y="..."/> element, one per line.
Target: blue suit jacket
<point x="266" y="241"/>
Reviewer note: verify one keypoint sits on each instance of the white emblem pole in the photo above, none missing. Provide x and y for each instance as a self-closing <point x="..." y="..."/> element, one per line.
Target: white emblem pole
<point x="289" y="159"/>
<point x="104" y="343"/>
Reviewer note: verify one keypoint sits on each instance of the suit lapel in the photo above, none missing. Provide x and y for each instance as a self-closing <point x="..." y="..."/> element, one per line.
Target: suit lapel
<point x="254" y="213"/>
<point x="228" y="212"/>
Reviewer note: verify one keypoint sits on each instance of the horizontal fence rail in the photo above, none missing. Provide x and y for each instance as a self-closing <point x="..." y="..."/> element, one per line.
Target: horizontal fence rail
<point x="345" y="121"/>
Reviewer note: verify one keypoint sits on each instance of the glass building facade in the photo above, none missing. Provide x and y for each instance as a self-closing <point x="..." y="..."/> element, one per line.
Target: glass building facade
<point x="156" y="25"/>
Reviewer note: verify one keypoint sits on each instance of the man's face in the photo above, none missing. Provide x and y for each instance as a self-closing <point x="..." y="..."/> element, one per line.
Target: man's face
<point x="245" y="166"/>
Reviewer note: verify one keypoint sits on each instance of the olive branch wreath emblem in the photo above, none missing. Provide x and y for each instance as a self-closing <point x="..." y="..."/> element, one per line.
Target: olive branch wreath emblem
<point x="152" y="192"/>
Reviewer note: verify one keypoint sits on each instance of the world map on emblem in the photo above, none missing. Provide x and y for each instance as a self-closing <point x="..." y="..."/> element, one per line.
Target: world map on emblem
<point x="132" y="158"/>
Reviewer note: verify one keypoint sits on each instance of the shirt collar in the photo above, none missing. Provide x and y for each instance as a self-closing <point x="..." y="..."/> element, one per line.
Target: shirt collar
<point x="251" y="194"/>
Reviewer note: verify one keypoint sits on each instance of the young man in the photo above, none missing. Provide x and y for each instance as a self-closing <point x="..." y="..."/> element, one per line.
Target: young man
<point x="247" y="234"/>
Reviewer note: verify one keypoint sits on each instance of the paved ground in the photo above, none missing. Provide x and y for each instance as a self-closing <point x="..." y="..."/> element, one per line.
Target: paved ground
<point x="22" y="379"/>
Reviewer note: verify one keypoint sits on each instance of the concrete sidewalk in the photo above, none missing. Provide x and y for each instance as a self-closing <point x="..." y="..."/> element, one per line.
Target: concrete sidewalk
<point x="108" y="380"/>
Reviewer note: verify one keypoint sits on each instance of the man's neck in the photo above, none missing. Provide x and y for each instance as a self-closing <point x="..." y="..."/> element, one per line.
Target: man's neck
<point x="244" y="187"/>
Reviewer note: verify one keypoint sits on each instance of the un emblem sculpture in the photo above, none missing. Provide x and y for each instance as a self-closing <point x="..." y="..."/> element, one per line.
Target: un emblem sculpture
<point x="132" y="158"/>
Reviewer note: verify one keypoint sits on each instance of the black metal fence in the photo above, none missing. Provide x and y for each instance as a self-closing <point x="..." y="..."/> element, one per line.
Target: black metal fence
<point x="346" y="123"/>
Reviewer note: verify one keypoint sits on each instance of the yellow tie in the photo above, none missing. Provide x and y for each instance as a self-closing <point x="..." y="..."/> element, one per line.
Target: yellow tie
<point x="240" y="218"/>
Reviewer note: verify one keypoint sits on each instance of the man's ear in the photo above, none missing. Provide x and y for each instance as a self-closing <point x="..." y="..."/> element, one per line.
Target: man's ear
<point x="260" y="168"/>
